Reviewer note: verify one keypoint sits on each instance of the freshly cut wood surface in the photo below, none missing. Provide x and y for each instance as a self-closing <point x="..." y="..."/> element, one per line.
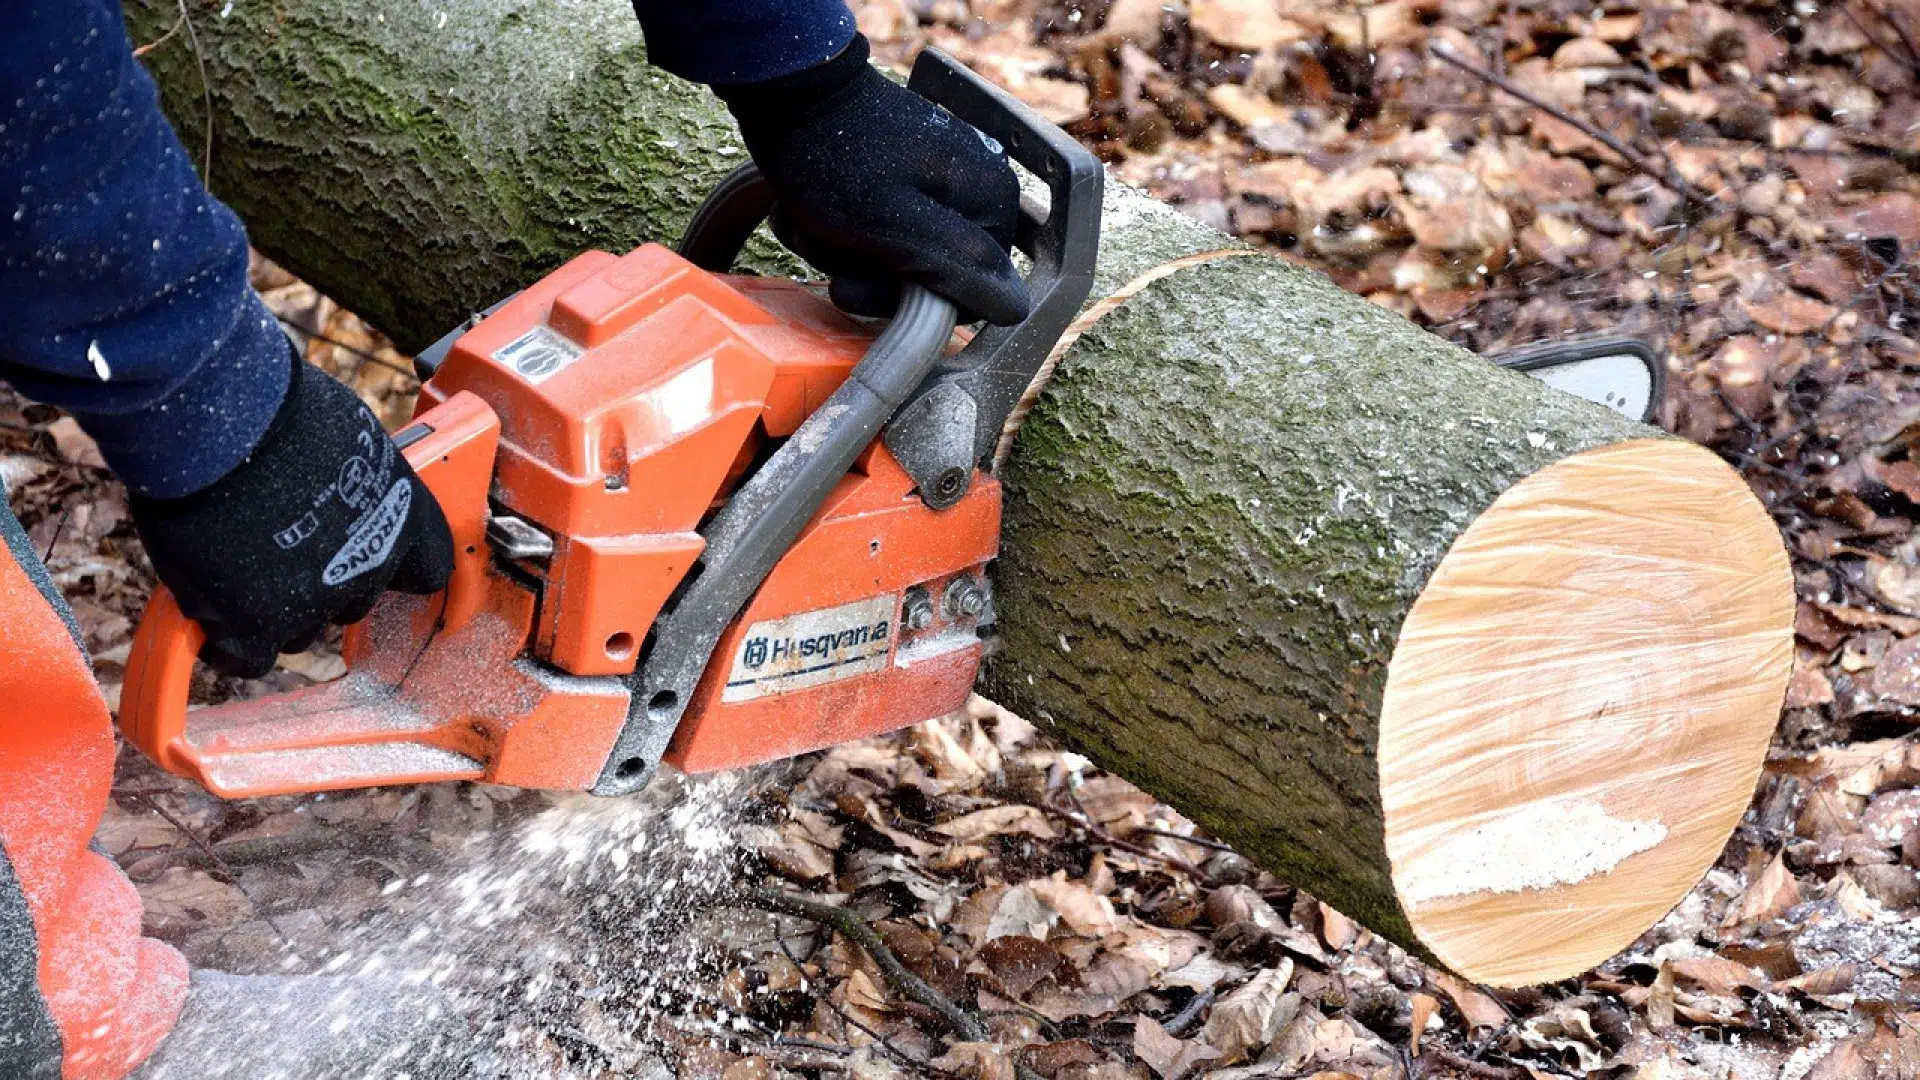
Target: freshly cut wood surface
<point x="1578" y="707"/>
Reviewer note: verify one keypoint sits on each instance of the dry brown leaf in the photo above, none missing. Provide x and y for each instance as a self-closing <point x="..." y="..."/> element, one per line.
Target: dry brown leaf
<point x="1892" y="816"/>
<point x="1168" y="1057"/>
<point x="1253" y="1015"/>
<point x="1336" y="929"/>
<point x="1848" y="1060"/>
<point x="748" y="1068"/>
<point x="859" y="990"/>
<point x="1230" y="904"/>
<point x="1252" y="25"/>
<point x="1424" y="1008"/>
<point x="1586" y="52"/>
<point x="1018" y="963"/>
<point x="977" y="1061"/>
<point x="1660" y="999"/>
<point x="788" y="851"/>
<point x="999" y="820"/>
<point x="1716" y="974"/>
<point x="1809" y="686"/>
<point x="1478" y="1009"/>
<point x="1135" y="21"/>
<point x="1244" y="107"/>
<point x="1084" y="911"/>
<point x="973" y="916"/>
<point x="184" y="899"/>
<point x="1020" y="912"/>
<point x="1767" y="897"/>
<point x="1133" y="959"/>
<point x="1563" y="1031"/>
<point x="1896" y="677"/>
<point x="1824" y="981"/>
<point x="1667" y="1065"/>
<point x="74" y="444"/>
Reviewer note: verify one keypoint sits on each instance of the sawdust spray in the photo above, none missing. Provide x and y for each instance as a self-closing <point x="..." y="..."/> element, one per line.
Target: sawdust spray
<point x="571" y="939"/>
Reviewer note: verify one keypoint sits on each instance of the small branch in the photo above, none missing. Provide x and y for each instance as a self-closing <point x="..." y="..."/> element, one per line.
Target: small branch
<point x="207" y="849"/>
<point x="1085" y="821"/>
<point x="1911" y="61"/>
<point x="1892" y="17"/>
<point x="1197" y="841"/>
<point x="364" y="355"/>
<point x="162" y="39"/>
<point x="1669" y="180"/>
<point x="206" y="94"/>
<point x="879" y="1039"/>
<point x="855" y="929"/>
<point x="1190" y="1015"/>
<point x="1480" y="1070"/>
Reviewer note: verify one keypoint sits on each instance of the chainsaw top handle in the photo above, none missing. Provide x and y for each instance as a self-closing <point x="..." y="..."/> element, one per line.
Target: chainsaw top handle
<point x="953" y="421"/>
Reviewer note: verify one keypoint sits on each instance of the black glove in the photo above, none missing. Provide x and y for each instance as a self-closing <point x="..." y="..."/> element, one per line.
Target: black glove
<point x="320" y="519"/>
<point x="875" y="184"/>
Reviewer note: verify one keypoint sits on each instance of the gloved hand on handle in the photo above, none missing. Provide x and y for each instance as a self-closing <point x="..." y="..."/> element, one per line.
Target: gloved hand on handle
<point x="875" y="185"/>
<point x="321" y="518"/>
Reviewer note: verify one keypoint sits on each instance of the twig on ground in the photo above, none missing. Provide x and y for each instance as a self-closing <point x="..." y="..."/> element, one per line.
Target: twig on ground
<point x="162" y="39"/>
<point x="206" y="93"/>
<point x="1085" y="821"/>
<point x="879" y="1039"/>
<point x="364" y="355"/>
<point x="1187" y="1017"/>
<point x="1667" y="179"/>
<point x="1478" y="1069"/>
<point x="207" y="849"/>
<point x="851" y="926"/>
<point x="1911" y="61"/>
<point x="1197" y="841"/>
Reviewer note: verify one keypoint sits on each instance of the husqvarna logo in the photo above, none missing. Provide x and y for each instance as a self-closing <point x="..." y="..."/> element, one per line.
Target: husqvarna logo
<point x="373" y="536"/>
<point x="756" y="653"/>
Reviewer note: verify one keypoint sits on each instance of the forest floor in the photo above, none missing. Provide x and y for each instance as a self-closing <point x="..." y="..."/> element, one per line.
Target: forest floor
<point x="1733" y="182"/>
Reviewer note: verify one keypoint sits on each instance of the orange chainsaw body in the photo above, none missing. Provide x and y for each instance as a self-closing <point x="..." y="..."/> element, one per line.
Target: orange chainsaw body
<point x="605" y="413"/>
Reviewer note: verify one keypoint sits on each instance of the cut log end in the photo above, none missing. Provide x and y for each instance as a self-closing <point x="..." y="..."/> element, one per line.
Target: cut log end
<point x="1578" y="708"/>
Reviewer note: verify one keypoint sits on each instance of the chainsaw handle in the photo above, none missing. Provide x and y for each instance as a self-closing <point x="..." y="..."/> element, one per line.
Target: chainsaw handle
<point x="451" y="448"/>
<point x="952" y="422"/>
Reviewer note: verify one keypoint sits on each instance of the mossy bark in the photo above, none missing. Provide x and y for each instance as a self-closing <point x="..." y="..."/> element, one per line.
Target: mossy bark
<point x="1217" y="516"/>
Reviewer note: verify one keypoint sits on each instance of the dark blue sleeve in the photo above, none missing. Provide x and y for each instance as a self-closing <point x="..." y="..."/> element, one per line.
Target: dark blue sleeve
<point x="729" y="42"/>
<point x="123" y="283"/>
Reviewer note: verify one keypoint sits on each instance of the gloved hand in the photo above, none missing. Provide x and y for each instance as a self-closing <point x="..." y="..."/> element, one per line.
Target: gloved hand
<point x="875" y="184"/>
<point x="320" y="519"/>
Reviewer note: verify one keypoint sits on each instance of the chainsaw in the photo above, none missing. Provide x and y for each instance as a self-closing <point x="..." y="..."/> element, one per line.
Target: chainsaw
<point x="698" y="518"/>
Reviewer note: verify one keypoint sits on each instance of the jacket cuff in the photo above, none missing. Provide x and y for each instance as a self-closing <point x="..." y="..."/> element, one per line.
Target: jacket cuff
<point x="745" y="41"/>
<point x="205" y="427"/>
<point x="800" y="92"/>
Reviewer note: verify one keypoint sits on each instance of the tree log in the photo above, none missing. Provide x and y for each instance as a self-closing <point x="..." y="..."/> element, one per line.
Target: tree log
<point x="1488" y="668"/>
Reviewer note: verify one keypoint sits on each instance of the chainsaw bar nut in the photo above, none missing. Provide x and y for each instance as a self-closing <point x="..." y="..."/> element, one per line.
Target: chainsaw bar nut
<point x="965" y="598"/>
<point x="916" y="613"/>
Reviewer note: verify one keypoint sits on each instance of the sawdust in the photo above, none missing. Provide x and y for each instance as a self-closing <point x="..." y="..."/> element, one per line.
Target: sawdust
<point x="1537" y="847"/>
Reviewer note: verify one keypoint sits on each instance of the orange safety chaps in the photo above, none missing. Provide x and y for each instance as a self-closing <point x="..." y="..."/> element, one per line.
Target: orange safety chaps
<point x="82" y="995"/>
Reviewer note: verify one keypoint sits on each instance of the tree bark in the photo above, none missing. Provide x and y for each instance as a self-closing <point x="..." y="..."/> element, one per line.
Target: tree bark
<point x="1224" y="507"/>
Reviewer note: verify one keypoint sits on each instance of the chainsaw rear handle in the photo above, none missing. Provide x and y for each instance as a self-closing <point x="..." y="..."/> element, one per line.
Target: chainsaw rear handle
<point x="953" y="421"/>
<point x="450" y="448"/>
